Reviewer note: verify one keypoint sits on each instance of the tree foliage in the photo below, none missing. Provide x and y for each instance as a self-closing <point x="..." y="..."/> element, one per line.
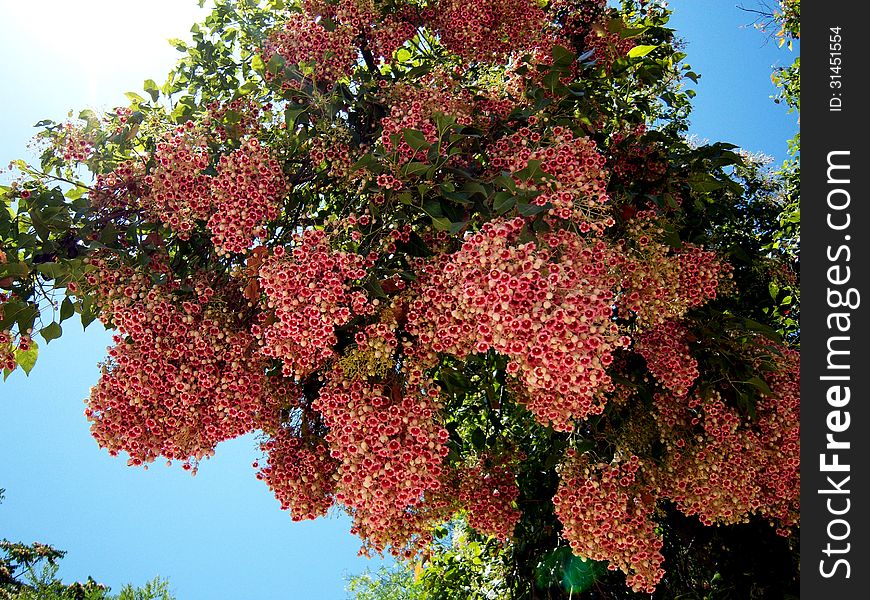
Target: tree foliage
<point x="451" y="259"/>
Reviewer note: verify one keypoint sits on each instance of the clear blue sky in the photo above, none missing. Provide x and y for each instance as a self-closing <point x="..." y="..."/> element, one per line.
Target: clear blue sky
<point x="220" y="535"/>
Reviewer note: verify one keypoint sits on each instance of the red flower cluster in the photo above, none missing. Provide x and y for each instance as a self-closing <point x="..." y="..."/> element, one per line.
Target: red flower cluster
<point x="606" y="514"/>
<point x="306" y="43"/>
<point x="724" y="468"/>
<point x="235" y="119"/>
<point x="607" y="47"/>
<point x="179" y="380"/>
<point x="661" y="283"/>
<point x="75" y="143"/>
<point x="383" y="35"/>
<point x="121" y="189"/>
<point x="308" y="294"/>
<point x="488" y="491"/>
<point x="486" y="30"/>
<point x="668" y="357"/>
<point x="390" y="451"/>
<point x="301" y="473"/>
<point x="414" y="108"/>
<point x="550" y="315"/>
<point x="247" y="192"/>
<point x="577" y="183"/>
<point x="180" y="192"/>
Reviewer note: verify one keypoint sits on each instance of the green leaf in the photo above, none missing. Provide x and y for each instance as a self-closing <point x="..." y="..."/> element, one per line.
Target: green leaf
<point x="27" y="359"/>
<point x="503" y="202"/>
<point x="150" y="87"/>
<point x="760" y="385"/>
<point x="773" y="289"/>
<point x="291" y="115"/>
<point x="89" y="312"/>
<point x="441" y="223"/>
<point x="478" y="439"/>
<point x="671" y="237"/>
<point x="14" y="269"/>
<point x="415" y="168"/>
<point x="67" y="309"/>
<point x="178" y="44"/>
<point x="415" y="139"/>
<point x="639" y="51"/>
<point x="248" y="87"/>
<point x="51" y="332"/>
<point x="51" y="270"/>
<point x="135" y="98"/>
<point x="702" y="182"/>
<point x="527" y="210"/>
<point x="275" y="64"/>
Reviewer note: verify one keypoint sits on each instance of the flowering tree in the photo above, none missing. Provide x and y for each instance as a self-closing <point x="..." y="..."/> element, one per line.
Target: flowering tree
<point x="447" y="257"/>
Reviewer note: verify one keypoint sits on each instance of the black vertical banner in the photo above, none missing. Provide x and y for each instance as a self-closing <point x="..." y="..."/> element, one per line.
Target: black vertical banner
<point x="835" y="299"/>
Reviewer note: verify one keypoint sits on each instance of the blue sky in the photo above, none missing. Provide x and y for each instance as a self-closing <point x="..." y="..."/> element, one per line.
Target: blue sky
<point x="220" y="535"/>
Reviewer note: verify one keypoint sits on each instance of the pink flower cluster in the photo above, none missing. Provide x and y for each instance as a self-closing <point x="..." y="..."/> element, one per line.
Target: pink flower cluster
<point x="334" y="153"/>
<point x="668" y="357"/>
<point x="236" y="119"/>
<point x="180" y="191"/>
<point x="607" y="47"/>
<point x="547" y="308"/>
<point x="575" y="17"/>
<point x="308" y="294"/>
<point x="248" y="192"/>
<point x="577" y="183"/>
<point x="383" y="34"/>
<point x="714" y="477"/>
<point x="486" y="30"/>
<point x="302" y="40"/>
<point x="661" y="283"/>
<point x="606" y="514"/>
<point x="723" y="467"/>
<point x="636" y="159"/>
<point x="121" y="190"/>
<point x="488" y="491"/>
<point x="178" y="380"/>
<point x="390" y="451"/>
<point x="300" y="472"/>
<point x="414" y="108"/>
<point x="76" y="145"/>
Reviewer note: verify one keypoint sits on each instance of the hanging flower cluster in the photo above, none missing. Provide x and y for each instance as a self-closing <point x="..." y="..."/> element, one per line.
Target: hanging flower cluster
<point x="551" y="317"/>
<point x="414" y="108"/>
<point x="607" y="515"/>
<point x="180" y="378"/>
<point x="576" y="182"/>
<point x="304" y="43"/>
<point x="390" y="451"/>
<point x="668" y="357"/>
<point x="247" y="191"/>
<point x="487" y="30"/>
<point x="723" y="468"/>
<point x="488" y="490"/>
<point x="662" y="283"/>
<point x="180" y="191"/>
<point x="308" y="294"/>
<point x="381" y="34"/>
<point x="301" y="473"/>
